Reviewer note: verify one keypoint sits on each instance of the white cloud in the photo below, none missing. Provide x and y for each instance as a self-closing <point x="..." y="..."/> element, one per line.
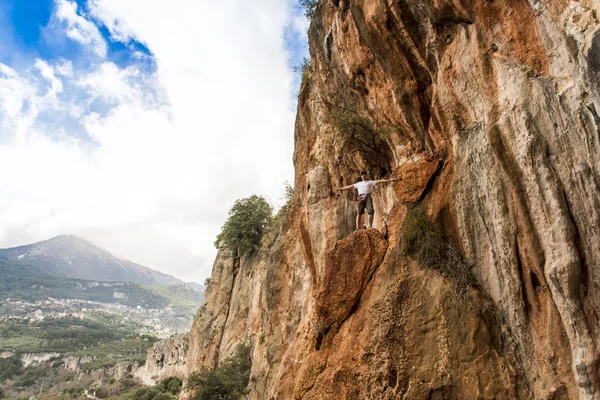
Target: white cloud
<point x="48" y="72"/>
<point x="65" y="68"/>
<point x="79" y="28"/>
<point x="114" y="84"/>
<point x="171" y="150"/>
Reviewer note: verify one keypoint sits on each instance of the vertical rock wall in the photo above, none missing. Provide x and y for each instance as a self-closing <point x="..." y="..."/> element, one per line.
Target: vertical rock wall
<point x="488" y="111"/>
<point x="166" y="358"/>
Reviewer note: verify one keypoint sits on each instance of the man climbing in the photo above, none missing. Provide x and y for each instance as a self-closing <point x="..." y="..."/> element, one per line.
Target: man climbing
<point x="364" y="201"/>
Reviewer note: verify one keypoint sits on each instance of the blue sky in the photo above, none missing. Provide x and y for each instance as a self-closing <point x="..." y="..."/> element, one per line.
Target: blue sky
<point x="29" y="33"/>
<point x="118" y="116"/>
<point x="32" y="34"/>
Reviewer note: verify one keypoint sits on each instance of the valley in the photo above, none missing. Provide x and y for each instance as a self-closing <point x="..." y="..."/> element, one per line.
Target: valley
<point x="67" y="337"/>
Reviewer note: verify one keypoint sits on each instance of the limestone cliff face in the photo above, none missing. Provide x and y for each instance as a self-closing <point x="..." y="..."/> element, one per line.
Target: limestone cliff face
<point x="488" y="111"/>
<point x="166" y="358"/>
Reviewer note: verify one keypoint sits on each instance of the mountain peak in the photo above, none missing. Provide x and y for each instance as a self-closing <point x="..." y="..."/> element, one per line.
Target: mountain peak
<point x="67" y="239"/>
<point x="74" y="257"/>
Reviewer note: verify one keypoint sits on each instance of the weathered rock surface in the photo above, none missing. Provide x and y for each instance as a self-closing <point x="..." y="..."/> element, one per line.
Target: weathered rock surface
<point x="488" y="111"/>
<point x="166" y="358"/>
<point x="73" y="363"/>
<point x="349" y="267"/>
<point x="116" y="371"/>
<point x="33" y="359"/>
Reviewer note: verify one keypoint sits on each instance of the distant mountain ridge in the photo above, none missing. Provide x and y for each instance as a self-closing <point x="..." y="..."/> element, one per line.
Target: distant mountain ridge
<point x="73" y="257"/>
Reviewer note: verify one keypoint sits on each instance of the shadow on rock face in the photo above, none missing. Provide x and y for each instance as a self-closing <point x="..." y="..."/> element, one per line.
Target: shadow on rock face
<point x="593" y="61"/>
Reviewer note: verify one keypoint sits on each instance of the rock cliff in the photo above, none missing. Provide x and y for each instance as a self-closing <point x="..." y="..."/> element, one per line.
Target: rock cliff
<point x="34" y="359"/>
<point x="114" y="371"/>
<point x="166" y="358"/>
<point x="488" y="112"/>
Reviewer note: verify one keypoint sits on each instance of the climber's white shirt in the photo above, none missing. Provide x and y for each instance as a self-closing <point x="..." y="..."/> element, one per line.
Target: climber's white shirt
<point x="365" y="187"/>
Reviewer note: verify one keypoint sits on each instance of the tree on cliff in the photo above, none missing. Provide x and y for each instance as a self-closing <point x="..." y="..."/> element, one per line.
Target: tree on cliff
<point x="248" y="220"/>
<point x="226" y="382"/>
<point x="309" y="6"/>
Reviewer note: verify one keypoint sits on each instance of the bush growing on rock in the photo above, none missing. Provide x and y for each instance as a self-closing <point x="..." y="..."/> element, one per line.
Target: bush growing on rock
<point x="309" y="6"/>
<point x="226" y="382"/>
<point x="288" y="194"/>
<point x="304" y="69"/>
<point x="427" y="246"/>
<point x="361" y="132"/>
<point x="248" y="221"/>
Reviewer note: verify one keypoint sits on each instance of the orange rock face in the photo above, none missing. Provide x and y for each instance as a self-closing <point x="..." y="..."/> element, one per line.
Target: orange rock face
<point x="349" y="267"/>
<point x="488" y="112"/>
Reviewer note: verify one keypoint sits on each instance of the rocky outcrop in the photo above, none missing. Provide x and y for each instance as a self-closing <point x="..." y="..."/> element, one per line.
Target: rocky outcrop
<point x="72" y="363"/>
<point x="166" y="358"/>
<point x="33" y="359"/>
<point x="114" y="371"/>
<point x="349" y="267"/>
<point x="488" y="111"/>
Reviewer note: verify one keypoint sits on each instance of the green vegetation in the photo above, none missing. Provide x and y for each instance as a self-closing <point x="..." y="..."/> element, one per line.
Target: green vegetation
<point x="167" y="389"/>
<point x="73" y="392"/>
<point x="34" y="323"/>
<point x="29" y="283"/>
<point x="427" y="246"/>
<point x="361" y="133"/>
<point x="125" y="350"/>
<point x="248" y="221"/>
<point x="9" y="367"/>
<point x="288" y="193"/>
<point x="32" y="375"/>
<point x="345" y="116"/>
<point x="226" y="382"/>
<point x="182" y="298"/>
<point x="304" y="69"/>
<point x="64" y="335"/>
<point x="310" y="7"/>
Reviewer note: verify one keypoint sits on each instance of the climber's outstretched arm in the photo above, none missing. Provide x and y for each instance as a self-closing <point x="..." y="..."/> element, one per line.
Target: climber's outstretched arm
<point x="387" y="180"/>
<point x="344" y="188"/>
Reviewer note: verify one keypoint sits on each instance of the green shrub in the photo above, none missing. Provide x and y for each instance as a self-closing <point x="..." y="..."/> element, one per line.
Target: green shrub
<point x="143" y="393"/>
<point x="31" y="376"/>
<point x="361" y="133"/>
<point x="248" y="220"/>
<point x="9" y="367"/>
<point x="310" y="7"/>
<point x="427" y="246"/>
<point x="170" y="385"/>
<point x="73" y="392"/>
<point x="167" y="389"/>
<point x="102" y="393"/>
<point x="163" y="396"/>
<point x="226" y="382"/>
<point x="304" y="69"/>
<point x="288" y="195"/>
<point x="126" y="383"/>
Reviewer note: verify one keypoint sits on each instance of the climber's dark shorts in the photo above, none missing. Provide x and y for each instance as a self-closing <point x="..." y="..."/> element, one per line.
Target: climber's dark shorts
<point x="366" y="203"/>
